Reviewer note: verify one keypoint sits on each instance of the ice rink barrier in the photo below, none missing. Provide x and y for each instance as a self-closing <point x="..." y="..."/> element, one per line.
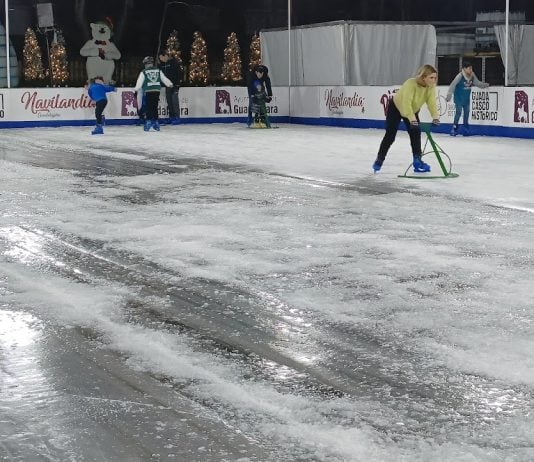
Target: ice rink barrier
<point x="496" y="111"/>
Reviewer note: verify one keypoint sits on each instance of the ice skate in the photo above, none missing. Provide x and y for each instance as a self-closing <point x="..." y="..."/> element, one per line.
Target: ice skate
<point x="377" y="166"/>
<point x="419" y="166"/>
<point x="147" y="125"/>
<point x="98" y="130"/>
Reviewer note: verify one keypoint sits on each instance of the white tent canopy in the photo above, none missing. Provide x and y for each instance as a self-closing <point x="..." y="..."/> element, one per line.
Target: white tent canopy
<point x="348" y="53"/>
<point x="520" y="46"/>
<point x="13" y="63"/>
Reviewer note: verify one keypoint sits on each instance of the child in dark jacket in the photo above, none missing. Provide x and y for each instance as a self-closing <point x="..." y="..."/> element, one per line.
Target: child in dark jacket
<point x="258" y="76"/>
<point x="97" y="92"/>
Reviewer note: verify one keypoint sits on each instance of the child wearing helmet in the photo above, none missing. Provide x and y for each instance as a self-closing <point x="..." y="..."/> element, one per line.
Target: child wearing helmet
<point x="149" y="82"/>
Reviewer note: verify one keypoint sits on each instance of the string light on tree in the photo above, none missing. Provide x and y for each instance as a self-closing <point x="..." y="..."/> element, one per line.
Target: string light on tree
<point x="58" y="61"/>
<point x="198" y="69"/>
<point x="231" y="70"/>
<point x="255" y="52"/>
<point x="32" y="58"/>
<point x="172" y="47"/>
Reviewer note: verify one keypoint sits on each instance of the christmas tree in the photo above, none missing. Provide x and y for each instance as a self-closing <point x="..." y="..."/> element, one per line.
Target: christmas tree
<point x="198" y="69"/>
<point x="231" y="70"/>
<point x="172" y="47"/>
<point x="58" y="61"/>
<point x="255" y="52"/>
<point x="32" y="62"/>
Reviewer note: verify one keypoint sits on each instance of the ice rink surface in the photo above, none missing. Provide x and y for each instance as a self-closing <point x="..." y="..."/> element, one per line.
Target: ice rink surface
<point x="213" y="293"/>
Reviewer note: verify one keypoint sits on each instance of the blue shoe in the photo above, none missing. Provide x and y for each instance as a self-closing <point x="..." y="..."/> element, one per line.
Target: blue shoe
<point x="155" y="125"/>
<point x="454" y="131"/>
<point x="147" y="125"/>
<point x="98" y="130"/>
<point x="377" y="166"/>
<point x="176" y="121"/>
<point x="419" y="166"/>
<point x="466" y="131"/>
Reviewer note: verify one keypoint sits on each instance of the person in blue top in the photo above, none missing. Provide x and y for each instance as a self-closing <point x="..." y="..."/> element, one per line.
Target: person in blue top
<point x="150" y="80"/>
<point x="97" y="92"/>
<point x="461" y="89"/>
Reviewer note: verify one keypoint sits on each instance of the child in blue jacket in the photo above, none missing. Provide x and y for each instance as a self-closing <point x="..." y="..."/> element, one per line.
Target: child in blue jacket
<point x="97" y="92"/>
<point x="461" y="88"/>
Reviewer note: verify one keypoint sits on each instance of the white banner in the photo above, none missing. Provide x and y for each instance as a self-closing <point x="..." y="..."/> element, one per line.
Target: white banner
<point x="224" y="102"/>
<point x="64" y="104"/>
<point x="519" y="107"/>
<point x="494" y="106"/>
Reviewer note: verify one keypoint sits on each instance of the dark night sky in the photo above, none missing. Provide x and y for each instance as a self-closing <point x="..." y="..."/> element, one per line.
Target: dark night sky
<point x="217" y="18"/>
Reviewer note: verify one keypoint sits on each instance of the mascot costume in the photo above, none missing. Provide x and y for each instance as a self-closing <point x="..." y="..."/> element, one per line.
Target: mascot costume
<point x="101" y="52"/>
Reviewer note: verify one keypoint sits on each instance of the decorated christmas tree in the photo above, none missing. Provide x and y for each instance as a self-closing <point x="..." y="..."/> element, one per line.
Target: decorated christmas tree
<point x="58" y="61"/>
<point x="255" y="52"/>
<point x="198" y="69"/>
<point x="231" y="70"/>
<point x="172" y="47"/>
<point x="32" y="58"/>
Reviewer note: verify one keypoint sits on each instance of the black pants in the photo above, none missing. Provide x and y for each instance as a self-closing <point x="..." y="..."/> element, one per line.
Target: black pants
<point x="172" y="102"/>
<point x="393" y="119"/>
<point x="99" y="109"/>
<point x="152" y="101"/>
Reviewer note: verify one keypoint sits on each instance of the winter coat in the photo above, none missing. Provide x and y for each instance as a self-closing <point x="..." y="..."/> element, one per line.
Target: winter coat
<point x="97" y="91"/>
<point x="461" y="88"/>
<point x="265" y="81"/>
<point x="172" y="71"/>
<point x="150" y="79"/>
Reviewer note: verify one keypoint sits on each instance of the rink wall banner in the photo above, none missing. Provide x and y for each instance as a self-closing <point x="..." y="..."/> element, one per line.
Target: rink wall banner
<point x="372" y="103"/>
<point x="495" y="111"/>
<point x="63" y="106"/>
<point x="228" y="103"/>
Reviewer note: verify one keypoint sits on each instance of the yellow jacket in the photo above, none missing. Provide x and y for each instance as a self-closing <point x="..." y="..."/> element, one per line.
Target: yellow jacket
<point x="411" y="97"/>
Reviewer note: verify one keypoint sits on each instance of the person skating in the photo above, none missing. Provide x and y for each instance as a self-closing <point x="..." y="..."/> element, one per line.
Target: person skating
<point x="405" y="105"/>
<point x="257" y="106"/>
<point x="171" y="68"/>
<point x="460" y="87"/>
<point x="97" y="92"/>
<point x="150" y="80"/>
<point x="258" y="76"/>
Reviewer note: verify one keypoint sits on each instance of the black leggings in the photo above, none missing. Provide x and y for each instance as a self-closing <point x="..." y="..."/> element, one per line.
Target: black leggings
<point x="152" y="103"/>
<point x="99" y="109"/>
<point x="393" y="119"/>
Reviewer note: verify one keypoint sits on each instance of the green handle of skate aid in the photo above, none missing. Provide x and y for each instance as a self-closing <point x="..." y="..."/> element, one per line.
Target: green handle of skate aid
<point x="426" y="129"/>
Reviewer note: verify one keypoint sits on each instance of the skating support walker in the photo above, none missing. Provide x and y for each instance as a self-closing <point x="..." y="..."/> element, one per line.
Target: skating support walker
<point x="438" y="151"/>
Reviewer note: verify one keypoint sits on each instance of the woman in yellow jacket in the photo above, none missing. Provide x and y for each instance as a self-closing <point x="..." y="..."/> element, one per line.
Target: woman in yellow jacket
<point x="406" y="105"/>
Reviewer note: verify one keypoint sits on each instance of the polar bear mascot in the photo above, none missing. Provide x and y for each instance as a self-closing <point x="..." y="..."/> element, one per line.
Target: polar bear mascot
<point x="101" y="52"/>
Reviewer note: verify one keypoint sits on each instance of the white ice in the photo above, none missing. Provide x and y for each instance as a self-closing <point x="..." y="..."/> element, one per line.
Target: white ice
<point x="442" y="267"/>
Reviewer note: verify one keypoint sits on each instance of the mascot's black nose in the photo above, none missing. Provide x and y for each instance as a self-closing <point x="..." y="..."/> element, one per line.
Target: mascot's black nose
<point x="102" y="30"/>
